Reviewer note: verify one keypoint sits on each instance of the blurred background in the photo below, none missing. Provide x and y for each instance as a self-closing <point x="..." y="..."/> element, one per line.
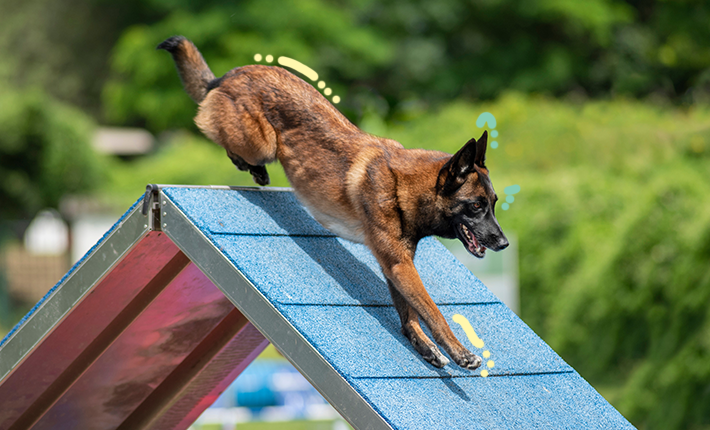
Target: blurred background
<point x="603" y="115"/>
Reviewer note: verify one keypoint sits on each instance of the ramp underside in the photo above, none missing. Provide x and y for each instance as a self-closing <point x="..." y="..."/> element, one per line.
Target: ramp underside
<point x="151" y="343"/>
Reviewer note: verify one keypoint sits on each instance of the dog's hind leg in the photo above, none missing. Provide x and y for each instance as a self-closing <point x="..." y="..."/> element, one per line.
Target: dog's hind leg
<point x="238" y="161"/>
<point x="413" y="330"/>
<point x="258" y="173"/>
<point x="239" y="126"/>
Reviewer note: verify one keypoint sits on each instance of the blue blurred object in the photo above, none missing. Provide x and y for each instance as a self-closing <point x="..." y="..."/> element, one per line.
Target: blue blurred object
<point x="271" y="383"/>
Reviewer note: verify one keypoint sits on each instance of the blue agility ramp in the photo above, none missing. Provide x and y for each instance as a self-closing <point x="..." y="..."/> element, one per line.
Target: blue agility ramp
<point x="173" y="304"/>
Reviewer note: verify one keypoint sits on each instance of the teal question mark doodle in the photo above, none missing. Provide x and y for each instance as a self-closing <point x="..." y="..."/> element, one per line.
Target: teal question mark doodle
<point x="510" y="190"/>
<point x="487" y="117"/>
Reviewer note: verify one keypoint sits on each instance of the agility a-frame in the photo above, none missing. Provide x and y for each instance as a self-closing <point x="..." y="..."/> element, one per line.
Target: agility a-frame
<point x="192" y="283"/>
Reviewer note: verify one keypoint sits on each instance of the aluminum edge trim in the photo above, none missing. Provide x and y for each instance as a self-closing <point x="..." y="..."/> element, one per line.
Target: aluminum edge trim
<point x="81" y="280"/>
<point x="228" y="187"/>
<point x="267" y="319"/>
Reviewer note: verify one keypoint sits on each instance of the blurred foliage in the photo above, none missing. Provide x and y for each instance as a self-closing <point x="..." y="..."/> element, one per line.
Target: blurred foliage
<point x="63" y="46"/>
<point x="389" y="56"/>
<point x="613" y="222"/>
<point x="45" y="152"/>
<point x="145" y="89"/>
<point x="384" y="55"/>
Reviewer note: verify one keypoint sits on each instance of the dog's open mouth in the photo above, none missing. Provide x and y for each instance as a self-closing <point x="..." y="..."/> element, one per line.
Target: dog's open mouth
<point x="471" y="242"/>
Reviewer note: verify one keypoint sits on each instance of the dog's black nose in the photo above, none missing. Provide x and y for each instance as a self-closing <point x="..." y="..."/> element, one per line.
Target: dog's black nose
<point x="502" y="244"/>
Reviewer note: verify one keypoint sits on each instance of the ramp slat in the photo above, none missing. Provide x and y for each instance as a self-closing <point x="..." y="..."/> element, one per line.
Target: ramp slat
<point x="328" y="270"/>
<point x="63" y="354"/>
<point x="133" y="331"/>
<point x="544" y="401"/>
<point x="167" y="329"/>
<point x="367" y="342"/>
<point x="201" y="377"/>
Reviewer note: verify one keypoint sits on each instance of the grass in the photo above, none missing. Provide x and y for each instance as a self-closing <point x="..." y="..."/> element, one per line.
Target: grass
<point x="284" y="425"/>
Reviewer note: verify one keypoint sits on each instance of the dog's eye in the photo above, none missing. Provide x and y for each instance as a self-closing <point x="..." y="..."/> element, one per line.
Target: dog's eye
<point x="476" y="205"/>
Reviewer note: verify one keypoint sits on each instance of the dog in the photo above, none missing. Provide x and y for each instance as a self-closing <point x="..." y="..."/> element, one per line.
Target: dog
<point x="364" y="188"/>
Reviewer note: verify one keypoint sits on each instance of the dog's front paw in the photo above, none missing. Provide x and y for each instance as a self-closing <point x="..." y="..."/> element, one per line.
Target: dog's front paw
<point x="467" y="360"/>
<point x="435" y="358"/>
<point x="429" y="352"/>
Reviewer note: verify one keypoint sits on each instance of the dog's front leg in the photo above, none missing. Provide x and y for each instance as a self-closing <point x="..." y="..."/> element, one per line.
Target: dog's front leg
<point x="398" y="267"/>
<point x="413" y="331"/>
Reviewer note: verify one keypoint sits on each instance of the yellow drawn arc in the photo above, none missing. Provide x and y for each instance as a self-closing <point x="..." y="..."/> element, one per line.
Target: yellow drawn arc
<point x="466" y="326"/>
<point x="299" y="67"/>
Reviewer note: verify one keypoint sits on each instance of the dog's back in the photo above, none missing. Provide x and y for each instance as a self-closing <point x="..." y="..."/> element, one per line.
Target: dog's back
<point x="260" y="114"/>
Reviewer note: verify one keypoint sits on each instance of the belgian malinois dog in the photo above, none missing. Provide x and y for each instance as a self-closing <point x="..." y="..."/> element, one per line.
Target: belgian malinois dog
<point x="362" y="187"/>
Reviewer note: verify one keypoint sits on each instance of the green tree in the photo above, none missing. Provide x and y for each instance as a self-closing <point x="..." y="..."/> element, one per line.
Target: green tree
<point x="145" y="89"/>
<point x="385" y="57"/>
<point x="45" y="152"/>
<point x="63" y="46"/>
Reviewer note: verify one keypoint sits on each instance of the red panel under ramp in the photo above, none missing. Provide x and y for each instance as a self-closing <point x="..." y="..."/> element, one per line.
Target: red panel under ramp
<point x="136" y="336"/>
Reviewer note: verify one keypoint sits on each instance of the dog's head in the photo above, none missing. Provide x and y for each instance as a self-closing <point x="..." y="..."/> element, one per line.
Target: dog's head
<point x="469" y="200"/>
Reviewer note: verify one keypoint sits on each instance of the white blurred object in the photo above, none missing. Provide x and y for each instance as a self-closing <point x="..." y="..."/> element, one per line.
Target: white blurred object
<point x="123" y="141"/>
<point x="47" y="234"/>
<point x="497" y="270"/>
<point x="86" y="231"/>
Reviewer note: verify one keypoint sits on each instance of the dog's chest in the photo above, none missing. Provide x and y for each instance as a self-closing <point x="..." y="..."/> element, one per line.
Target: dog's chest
<point x="350" y="229"/>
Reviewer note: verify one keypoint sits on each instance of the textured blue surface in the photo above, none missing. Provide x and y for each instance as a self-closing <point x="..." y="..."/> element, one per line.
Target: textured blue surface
<point x="333" y="292"/>
<point x="344" y="273"/>
<point x="247" y="212"/>
<point x="547" y="401"/>
<point x="352" y="339"/>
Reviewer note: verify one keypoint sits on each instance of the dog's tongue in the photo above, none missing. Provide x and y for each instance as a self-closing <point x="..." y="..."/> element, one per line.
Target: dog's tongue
<point x="473" y="244"/>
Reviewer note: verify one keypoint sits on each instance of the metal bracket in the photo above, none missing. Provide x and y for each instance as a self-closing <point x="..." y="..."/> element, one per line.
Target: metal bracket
<point x="152" y="195"/>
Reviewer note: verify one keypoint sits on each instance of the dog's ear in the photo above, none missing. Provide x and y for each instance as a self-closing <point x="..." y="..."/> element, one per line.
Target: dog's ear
<point x="453" y="174"/>
<point x="481" y="146"/>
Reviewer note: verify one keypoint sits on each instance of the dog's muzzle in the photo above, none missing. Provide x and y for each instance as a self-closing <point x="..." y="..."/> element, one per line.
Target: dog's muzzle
<point x="470" y="242"/>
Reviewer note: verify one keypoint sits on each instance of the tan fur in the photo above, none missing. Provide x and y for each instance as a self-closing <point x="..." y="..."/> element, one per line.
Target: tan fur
<point x="362" y="187"/>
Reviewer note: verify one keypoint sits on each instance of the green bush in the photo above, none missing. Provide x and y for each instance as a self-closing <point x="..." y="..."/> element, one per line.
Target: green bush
<point x="45" y="152"/>
<point x="613" y="222"/>
<point x="186" y="159"/>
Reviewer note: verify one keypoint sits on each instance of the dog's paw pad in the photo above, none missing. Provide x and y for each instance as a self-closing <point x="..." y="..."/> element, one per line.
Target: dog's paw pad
<point x="475" y="364"/>
<point x="260" y="175"/>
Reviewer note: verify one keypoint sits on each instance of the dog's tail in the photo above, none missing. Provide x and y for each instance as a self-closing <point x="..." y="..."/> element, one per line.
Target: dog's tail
<point x="192" y="68"/>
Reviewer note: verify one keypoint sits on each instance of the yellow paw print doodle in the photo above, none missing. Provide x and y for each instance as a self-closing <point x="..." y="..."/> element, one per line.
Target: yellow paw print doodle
<point x="475" y="340"/>
<point x="302" y="69"/>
